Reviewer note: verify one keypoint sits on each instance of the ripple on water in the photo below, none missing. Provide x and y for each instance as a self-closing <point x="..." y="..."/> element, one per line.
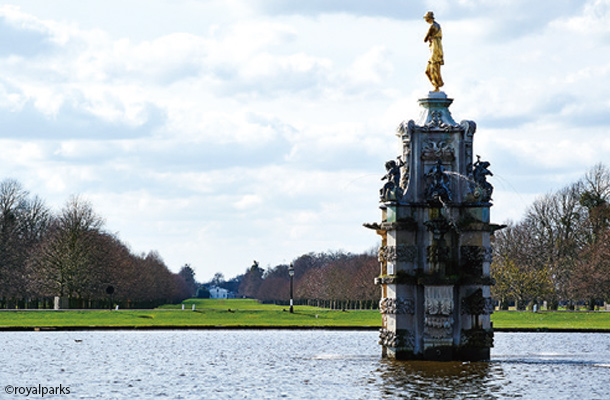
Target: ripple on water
<point x="298" y="365"/>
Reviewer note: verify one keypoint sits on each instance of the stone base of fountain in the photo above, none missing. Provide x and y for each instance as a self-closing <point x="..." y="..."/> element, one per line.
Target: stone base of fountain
<point x="435" y="253"/>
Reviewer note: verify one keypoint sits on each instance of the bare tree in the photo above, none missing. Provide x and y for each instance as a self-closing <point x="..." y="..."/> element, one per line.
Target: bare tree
<point x="275" y="285"/>
<point x="591" y="280"/>
<point x="23" y="222"/>
<point x="251" y="281"/>
<point x="519" y="269"/>
<point x="595" y="199"/>
<point x="63" y="261"/>
<point x="362" y="283"/>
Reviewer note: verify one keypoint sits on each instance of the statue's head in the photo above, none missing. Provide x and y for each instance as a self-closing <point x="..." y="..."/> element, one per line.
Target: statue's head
<point x="390" y="165"/>
<point x="429" y="16"/>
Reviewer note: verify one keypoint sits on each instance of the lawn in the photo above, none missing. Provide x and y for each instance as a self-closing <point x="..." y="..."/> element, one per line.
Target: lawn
<point x="250" y="313"/>
<point x="233" y="304"/>
<point x="568" y="320"/>
<point x="228" y="313"/>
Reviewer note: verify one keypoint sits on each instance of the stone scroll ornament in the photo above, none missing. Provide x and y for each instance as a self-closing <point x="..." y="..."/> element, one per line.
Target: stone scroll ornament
<point x="438" y="150"/>
<point x="381" y="254"/>
<point x="402" y="338"/>
<point x="404" y="131"/>
<point x="469" y="128"/>
<point x="401" y="252"/>
<point x="397" y="306"/>
<point x="439" y="121"/>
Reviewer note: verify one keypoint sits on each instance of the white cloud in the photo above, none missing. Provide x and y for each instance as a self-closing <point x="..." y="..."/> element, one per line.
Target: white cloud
<point x="248" y="201"/>
<point x="372" y="66"/>
<point x="220" y="133"/>
<point x="595" y="19"/>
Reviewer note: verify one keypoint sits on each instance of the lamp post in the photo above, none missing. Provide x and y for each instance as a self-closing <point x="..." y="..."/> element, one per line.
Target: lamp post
<point x="291" y="273"/>
<point x="110" y="292"/>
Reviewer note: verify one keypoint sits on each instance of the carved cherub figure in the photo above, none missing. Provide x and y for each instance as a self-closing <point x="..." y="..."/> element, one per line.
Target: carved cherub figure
<point x="480" y="172"/>
<point x="391" y="190"/>
<point x="438" y="190"/>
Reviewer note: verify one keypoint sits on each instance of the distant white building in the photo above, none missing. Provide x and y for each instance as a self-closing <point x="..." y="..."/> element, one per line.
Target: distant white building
<point x="219" y="293"/>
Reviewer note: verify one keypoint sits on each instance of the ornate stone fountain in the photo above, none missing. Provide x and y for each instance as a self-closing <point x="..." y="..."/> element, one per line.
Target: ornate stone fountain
<point x="435" y="251"/>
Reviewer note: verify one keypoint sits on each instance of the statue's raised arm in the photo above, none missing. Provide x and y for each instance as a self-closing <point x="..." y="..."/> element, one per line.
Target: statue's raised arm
<point x="434" y="38"/>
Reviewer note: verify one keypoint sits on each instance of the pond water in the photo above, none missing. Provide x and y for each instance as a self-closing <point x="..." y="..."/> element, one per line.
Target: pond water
<point x="273" y="364"/>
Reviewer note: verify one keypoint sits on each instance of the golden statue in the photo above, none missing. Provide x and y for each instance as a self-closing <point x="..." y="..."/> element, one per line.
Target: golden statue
<point x="434" y="36"/>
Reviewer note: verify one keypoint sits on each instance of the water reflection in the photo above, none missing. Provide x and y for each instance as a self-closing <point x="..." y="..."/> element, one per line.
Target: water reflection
<point x="298" y="365"/>
<point x="440" y="380"/>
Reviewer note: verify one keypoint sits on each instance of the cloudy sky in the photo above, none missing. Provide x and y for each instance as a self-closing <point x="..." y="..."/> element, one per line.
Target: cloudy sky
<point x="222" y="131"/>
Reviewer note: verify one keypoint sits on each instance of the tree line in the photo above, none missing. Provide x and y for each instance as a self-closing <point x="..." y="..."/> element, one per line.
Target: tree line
<point x="560" y="251"/>
<point x="69" y="254"/>
<point x="335" y="280"/>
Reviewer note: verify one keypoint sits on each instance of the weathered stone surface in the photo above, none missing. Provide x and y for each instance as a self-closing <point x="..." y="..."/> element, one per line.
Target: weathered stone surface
<point x="476" y="304"/>
<point x="478" y="338"/>
<point x="406" y="225"/>
<point x="438" y="149"/>
<point x="401" y="252"/>
<point x="435" y="234"/>
<point x="471" y="260"/>
<point x="401" y="338"/>
<point x="438" y="306"/>
<point x="397" y="306"/>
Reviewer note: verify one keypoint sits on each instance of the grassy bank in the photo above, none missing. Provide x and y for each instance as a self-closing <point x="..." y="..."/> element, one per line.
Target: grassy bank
<point x="228" y="313"/>
<point x="249" y="313"/>
<point x="568" y="320"/>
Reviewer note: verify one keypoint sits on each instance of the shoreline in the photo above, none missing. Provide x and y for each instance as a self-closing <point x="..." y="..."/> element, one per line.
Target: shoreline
<point x="78" y="328"/>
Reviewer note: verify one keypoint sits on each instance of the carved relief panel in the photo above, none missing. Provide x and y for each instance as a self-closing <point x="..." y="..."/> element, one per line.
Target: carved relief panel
<point x="438" y="305"/>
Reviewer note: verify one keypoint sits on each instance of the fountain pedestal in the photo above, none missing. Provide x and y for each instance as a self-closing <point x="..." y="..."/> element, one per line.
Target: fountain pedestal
<point x="435" y="252"/>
